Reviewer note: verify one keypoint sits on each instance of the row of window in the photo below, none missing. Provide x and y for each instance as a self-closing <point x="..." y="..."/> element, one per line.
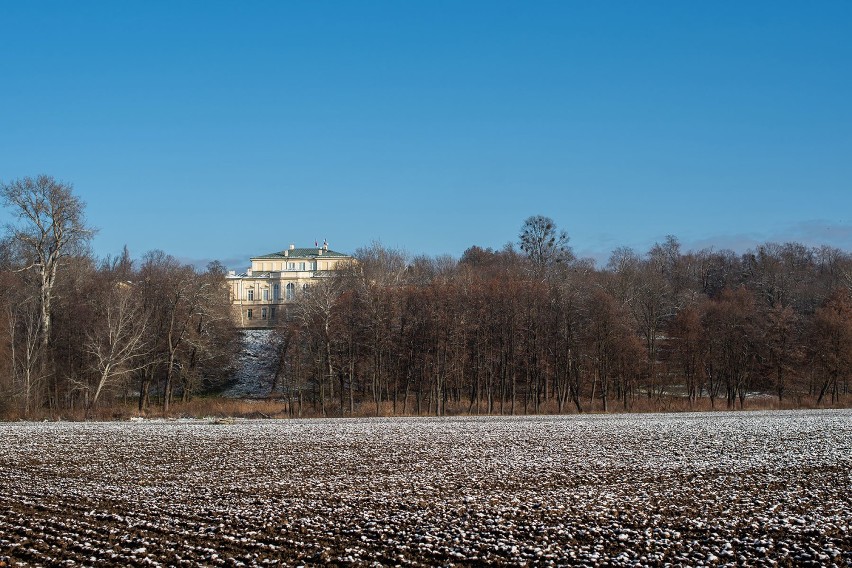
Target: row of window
<point x="287" y="266"/>
<point x="265" y="313"/>
<point x="290" y="292"/>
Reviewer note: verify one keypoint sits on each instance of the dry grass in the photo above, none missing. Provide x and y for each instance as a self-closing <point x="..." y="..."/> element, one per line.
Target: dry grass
<point x="217" y="407"/>
<point x="642" y="404"/>
<point x="222" y="408"/>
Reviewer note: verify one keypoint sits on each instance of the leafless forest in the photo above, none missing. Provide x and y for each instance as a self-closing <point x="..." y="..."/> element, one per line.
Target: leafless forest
<point x="528" y="328"/>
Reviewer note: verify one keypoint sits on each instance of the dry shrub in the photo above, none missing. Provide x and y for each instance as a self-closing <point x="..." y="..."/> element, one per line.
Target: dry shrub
<point x="227" y="407"/>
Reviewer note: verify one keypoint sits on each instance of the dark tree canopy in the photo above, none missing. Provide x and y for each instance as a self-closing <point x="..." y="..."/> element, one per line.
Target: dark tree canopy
<point x="543" y="243"/>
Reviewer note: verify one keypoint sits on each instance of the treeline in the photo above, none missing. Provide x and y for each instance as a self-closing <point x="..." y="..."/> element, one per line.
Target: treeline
<point x="78" y="333"/>
<point x="526" y="329"/>
<point x="535" y="329"/>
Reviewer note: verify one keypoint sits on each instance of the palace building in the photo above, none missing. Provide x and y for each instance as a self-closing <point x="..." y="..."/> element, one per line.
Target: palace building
<point x="262" y="294"/>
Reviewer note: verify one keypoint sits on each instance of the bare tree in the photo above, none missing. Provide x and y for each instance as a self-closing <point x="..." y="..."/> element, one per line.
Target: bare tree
<point x="379" y="265"/>
<point x="686" y="344"/>
<point x="212" y="341"/>
<point x="315" y="313"/>
<point x="182" y="305"/>
<point x="51" y="226"/>
<point x="172" y="296"/>
<point x="831" y="344"/>
<point x="25" y="354"/>
<point x="117" y="344"/>
<point x="731" y="332"/>
<point x="543" y="243"/>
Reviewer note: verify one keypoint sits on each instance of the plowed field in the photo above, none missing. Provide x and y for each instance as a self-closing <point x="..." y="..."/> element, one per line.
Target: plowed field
<point x="743" y="488"/>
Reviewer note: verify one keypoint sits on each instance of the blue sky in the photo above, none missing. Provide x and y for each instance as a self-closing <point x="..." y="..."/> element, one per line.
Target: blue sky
<point x="226" y="129"/>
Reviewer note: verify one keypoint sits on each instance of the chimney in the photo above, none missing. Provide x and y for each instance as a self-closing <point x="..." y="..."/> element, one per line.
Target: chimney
<point x="292" y="247"/>
<point x="319" y="252"/>
<point x="232" y="273"/>
<point x="248" y="272"/>
<point x="324" y="244"/>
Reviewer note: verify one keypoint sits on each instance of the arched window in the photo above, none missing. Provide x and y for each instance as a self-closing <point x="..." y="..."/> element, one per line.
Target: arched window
<point x="291" y="291"/>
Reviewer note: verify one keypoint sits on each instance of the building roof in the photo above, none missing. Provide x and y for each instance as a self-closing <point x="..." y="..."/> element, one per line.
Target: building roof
<point x="302" y="253"/>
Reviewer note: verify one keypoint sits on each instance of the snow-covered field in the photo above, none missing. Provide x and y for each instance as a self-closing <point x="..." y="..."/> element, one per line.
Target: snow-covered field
<point x="748" y="488"/>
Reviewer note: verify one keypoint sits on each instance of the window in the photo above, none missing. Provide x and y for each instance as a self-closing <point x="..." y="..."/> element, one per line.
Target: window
<point x="263" y="313"/>
<point x="301" y="266"/>
<point x="291" y="291"/>
<point x="305" y="288"/>
<point x="272" y="313"/>
<point x="276" y="291"/>
<point x="291" y="266"/>
<point x="250" y="294"/>
<point x="249" y="313"/>
<point x="266" y="294"/>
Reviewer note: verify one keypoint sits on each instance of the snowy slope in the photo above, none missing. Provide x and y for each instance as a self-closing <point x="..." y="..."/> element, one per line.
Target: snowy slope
<point x="255" y="368"/>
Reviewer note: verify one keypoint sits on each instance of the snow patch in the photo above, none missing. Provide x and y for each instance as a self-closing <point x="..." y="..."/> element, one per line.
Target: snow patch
<point x="256" y="363"/>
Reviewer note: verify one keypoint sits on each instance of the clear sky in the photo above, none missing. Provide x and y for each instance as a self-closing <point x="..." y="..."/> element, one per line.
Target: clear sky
<point x="226" y="129"/>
